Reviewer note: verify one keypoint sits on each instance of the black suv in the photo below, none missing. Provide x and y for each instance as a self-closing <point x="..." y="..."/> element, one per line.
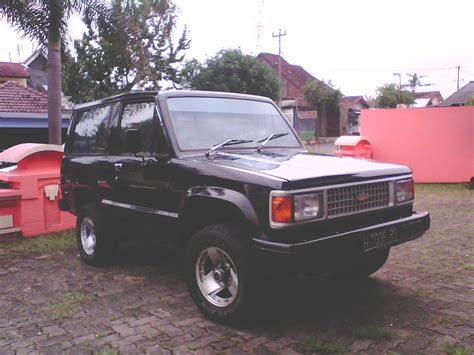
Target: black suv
<point x="225" y="178"/>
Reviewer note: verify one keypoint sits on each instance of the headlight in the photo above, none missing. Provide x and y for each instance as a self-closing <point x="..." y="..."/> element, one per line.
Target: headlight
<point x="405" y="190"/>
<point x="308" y="207"/>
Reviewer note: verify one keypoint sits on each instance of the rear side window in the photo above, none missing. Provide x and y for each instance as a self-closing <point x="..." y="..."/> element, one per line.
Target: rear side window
<point x="138" y="115"/>
<point x="90" y="133"/>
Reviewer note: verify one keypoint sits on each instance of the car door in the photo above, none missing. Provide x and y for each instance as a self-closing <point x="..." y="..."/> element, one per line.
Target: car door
<point x="88" y="167"/>
<point x="142" y="184"/>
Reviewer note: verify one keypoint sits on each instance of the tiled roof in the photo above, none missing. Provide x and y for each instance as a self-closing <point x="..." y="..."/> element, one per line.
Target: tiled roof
<point x="13" y="70"/>
<point x="428" y="95"/>
<point x="352" y="100"/>
<point x="293" y="73"/>
<point x="17" y="98"/>
<point x="461" y="96"/>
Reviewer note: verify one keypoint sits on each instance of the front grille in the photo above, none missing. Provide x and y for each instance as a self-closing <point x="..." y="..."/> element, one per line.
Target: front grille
<point x="358" y="198"/>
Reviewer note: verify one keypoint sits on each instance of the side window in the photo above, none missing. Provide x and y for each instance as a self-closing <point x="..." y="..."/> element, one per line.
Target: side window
<point x="90" y="133"/>
<point x="114" y="142"/>
<point x="138" y="115"/>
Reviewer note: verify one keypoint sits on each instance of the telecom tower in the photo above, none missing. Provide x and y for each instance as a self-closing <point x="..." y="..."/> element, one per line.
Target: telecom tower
<point x="259" y="25"/>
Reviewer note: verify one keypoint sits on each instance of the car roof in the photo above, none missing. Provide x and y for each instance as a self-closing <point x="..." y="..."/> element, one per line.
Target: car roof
<point x="217" y="94"/>
<point x="167" y="94"/>
<point x="127" y="95"/>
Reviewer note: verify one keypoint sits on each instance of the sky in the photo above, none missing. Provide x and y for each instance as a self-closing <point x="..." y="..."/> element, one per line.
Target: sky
<point x="358" y="45"/>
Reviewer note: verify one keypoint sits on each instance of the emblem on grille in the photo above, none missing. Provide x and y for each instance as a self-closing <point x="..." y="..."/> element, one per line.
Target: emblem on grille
<point x="360" y="198"/>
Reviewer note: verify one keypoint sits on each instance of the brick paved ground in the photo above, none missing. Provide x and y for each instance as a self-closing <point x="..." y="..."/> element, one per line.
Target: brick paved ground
<point x="421" y="301"/>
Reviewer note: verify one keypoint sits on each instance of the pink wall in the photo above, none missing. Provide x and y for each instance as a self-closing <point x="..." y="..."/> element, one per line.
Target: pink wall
<point x="436" y="143"/>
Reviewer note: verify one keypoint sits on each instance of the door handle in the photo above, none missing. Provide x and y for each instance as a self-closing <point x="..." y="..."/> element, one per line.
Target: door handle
<point x="118" y="166"/>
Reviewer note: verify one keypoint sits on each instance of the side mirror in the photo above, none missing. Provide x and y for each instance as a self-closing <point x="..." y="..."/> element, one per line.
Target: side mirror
<point x="133" y="141"/>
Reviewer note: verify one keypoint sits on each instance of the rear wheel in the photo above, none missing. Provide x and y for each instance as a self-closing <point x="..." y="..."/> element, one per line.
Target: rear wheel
<point x="218" y="266"/>
<point x="365" y="266"/>
<point x="94" y="241"/>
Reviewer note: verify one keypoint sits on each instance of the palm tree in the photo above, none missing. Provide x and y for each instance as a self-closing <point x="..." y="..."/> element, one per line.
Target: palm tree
<point x="45" y="22"/>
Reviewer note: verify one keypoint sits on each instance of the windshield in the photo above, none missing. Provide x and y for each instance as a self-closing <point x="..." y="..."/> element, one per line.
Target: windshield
<point x="201" y="122"/>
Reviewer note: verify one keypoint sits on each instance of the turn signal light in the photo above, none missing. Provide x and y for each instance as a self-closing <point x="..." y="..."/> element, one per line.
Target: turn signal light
<point x="282" y="209"/>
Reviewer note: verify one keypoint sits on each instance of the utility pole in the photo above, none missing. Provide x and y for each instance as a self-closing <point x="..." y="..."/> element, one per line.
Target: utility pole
<point x="279" y="35"/>
<point x="459" y="68"/>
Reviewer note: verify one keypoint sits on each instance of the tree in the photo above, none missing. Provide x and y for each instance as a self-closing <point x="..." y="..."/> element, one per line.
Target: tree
<point x="322" y="97"/>
<point x="388" y="96"/>
<point x="45" y="22"/>
<point x="232" y="71"/>
<point x="325" y="100"/>
<point x="109" y="62"/>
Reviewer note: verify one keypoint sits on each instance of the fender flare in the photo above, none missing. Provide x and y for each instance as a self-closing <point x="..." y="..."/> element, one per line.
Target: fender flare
<point x="233" y="197"/>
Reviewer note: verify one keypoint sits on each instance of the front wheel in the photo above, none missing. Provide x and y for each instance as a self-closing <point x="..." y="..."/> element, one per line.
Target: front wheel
<point x="218" y="266"/>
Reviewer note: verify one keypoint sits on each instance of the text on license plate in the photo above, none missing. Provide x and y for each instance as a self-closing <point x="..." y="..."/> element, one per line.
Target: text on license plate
<point x="380" y="238"/>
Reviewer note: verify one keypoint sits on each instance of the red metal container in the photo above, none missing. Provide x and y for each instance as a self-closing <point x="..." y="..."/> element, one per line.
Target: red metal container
<point x="30" y="191"/>
<point x="354" y="146"/>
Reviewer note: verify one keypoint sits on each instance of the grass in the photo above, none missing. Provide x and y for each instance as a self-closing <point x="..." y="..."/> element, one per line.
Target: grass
<point x="372" y="332"/>
<point x="424" y="293"/>
<point x="444" y="320"/>
<point x="455" y="349"/>
<point x="442" y="188"/>
<point x="323" y="346"/>
<point x="70" y="304"/>
<point x="43" y="244"/>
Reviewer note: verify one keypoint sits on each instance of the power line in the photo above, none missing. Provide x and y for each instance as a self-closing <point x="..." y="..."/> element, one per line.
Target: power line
<point x="467" y="71"/>
<point x="388" y="70"/>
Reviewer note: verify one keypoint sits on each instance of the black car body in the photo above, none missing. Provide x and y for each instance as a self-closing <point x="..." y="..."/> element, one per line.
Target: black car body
<point x="149" y="164"/>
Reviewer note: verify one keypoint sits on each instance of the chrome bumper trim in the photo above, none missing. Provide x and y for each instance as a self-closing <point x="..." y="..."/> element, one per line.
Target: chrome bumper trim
<point x="285" y="248"/>
<point x="140" y="208"/>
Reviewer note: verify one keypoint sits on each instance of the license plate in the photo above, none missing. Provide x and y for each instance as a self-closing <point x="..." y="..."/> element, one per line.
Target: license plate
<point x="380" y="238"/>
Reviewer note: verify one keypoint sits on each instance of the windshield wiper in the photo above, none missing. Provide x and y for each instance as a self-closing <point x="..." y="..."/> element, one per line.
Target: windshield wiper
<point x="269" y="138"/>
<point x="227" y="143"/>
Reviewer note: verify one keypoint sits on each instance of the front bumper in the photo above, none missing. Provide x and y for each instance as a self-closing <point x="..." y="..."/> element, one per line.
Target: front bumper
<point x="345" y="246"/>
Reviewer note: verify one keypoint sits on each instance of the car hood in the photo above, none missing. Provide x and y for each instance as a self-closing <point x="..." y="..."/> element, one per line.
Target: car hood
<point x="301" y="166"/>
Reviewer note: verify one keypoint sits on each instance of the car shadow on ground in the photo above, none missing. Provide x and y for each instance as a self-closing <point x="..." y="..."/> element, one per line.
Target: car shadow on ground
<point x="295" y="299"/>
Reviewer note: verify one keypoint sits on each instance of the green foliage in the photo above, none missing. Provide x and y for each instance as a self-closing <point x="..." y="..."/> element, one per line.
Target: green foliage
<point x="70" y="303"/>
<point x="142" y="56"/>
<point x="470" y="102"/>
<point x="45" y="22"/>
<point x="232" y="71"/>
<point x="190" y="70"/>
<point x="455" y="349"/>
<point x="322" y="97"/>
<point x="370" y="332"/>
<point x="43" y="244"/>
<point x="322" y="346"/>
<point x="388" y="96"/>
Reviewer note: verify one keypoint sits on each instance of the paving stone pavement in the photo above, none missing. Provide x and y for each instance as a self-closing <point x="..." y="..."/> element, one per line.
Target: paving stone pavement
<point x="420" y="302"/>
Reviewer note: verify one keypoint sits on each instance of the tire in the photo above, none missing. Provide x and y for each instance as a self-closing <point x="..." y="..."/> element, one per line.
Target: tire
<point x="218" y="272"/>
<point x="94" y="241"/>
<point x="365" y="266"/>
